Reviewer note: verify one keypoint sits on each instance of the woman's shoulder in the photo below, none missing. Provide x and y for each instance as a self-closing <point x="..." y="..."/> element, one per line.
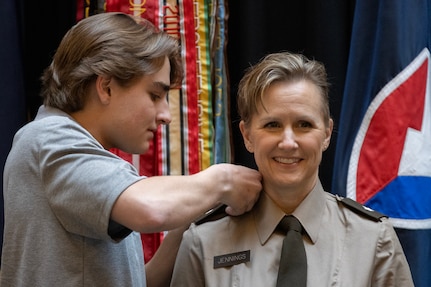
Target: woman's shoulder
<point x="217" y="222"/>
<point x="352" y="211"/>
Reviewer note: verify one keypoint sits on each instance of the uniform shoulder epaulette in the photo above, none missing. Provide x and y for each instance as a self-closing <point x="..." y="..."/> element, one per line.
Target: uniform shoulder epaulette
<point x="361" y="209"/>
<point x="212" y="215"/>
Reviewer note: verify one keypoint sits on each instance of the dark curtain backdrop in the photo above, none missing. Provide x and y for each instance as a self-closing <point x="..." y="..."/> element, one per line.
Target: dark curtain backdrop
<point x="44" y="25"/>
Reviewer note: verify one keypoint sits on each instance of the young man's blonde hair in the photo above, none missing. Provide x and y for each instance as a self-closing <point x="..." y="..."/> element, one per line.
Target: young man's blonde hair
<point x="108" y="44"/>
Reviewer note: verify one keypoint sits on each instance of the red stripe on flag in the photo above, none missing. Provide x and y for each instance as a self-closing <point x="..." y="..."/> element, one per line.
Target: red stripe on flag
<point x="191" y="84"/>
<point x="117" y="6"/>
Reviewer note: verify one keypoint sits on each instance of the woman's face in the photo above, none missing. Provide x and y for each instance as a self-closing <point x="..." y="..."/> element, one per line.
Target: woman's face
<point x="288" y="135"/>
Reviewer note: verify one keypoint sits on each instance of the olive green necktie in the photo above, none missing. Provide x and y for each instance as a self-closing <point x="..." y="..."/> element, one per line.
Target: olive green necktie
<point x="293" y="263"/>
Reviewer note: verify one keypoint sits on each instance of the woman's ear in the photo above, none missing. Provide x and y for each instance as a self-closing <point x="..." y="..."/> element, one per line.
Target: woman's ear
<point x="328" y="134"/>
<point x="246" y="136"/>
<point x="103" y="89"/>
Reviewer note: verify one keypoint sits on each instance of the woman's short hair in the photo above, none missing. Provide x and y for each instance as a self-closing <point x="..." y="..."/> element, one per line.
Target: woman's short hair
<point x="279" y="67"/>
<point x="108" y="44"/>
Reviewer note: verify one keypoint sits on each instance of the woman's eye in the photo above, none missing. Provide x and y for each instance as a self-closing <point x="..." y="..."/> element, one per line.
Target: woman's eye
<point x="272" y="125"/>
<point x="304" y="124"/>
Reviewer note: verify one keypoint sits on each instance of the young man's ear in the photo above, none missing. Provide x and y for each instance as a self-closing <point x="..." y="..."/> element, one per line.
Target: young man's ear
<point x="103" y="89"/>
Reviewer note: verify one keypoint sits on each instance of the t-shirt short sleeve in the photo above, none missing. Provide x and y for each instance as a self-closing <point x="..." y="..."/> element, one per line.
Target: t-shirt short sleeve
<point x="82" y="180"/>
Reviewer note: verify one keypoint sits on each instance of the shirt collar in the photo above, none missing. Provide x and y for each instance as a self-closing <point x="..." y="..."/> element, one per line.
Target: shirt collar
<point x="267" y="214"/>
<point x="310" y="211"/>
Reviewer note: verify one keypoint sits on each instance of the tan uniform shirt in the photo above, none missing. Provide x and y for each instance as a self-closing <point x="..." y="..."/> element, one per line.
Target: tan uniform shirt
<point x="343" y="248"/>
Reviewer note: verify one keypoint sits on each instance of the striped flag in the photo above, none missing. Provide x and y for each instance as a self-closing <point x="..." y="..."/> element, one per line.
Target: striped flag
<point x="175" y="148"/>
<point x="221" y="109"/>
<point x="188" y="144"/>
<point x="383" y="157"/>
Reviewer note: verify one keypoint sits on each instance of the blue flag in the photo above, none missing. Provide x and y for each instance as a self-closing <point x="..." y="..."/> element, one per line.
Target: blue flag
<point x="383" y="157"/>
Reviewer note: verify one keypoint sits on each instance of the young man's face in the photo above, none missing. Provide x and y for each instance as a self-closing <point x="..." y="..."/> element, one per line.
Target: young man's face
<point x="137" y="111"/>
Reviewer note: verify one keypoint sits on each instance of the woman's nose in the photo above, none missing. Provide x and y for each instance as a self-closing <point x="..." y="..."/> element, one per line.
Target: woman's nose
<point x="288" y="139"/>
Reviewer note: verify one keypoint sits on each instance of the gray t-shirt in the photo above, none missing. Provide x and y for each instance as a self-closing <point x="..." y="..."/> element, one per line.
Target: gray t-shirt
<point x="59" y="188"/>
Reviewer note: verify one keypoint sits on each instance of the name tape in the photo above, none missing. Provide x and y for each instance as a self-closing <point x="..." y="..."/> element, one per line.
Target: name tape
<point x="231" y="259"/>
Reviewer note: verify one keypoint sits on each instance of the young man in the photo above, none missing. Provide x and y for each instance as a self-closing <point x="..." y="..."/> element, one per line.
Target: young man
<point x="71" y="206"/>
